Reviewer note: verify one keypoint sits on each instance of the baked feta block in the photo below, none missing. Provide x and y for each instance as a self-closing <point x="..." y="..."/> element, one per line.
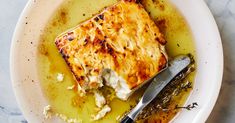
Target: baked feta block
<point x="120" y="47"/>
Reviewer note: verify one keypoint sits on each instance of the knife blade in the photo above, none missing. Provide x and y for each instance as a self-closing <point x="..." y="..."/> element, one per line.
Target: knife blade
<point x="158" y="83"/>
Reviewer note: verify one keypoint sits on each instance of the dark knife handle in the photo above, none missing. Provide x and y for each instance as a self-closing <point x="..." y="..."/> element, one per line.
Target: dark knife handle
<point x="127" y="119"/>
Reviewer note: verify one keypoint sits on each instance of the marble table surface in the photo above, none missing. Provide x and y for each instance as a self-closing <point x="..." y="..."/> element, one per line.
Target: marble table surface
<point x="223" y="11"/>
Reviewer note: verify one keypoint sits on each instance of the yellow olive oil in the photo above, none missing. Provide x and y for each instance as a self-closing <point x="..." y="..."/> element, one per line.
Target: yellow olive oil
<point x="67" y="101"/>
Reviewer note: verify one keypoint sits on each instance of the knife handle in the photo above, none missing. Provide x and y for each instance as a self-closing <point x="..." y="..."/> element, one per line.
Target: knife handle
<point x="127" y="119"/>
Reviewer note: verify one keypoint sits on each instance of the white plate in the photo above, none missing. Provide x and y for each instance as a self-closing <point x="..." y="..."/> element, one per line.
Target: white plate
<point x="208" y="49"/>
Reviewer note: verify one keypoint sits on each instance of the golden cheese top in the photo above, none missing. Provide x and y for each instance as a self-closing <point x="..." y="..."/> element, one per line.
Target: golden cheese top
<point x="122" y="38"/>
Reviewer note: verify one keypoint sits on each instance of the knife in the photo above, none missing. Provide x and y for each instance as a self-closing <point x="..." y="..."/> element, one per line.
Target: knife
<point x="159" y="82"/>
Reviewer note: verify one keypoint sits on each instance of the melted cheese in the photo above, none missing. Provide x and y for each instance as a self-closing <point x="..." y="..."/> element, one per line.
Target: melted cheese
<point x="117" y="83"/>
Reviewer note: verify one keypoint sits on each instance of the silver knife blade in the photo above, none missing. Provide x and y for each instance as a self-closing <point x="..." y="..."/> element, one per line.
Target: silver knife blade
<point x="159" y="82"/>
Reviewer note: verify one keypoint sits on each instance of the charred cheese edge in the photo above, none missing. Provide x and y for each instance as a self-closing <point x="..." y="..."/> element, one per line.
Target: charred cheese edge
<point x="123" y="39"/>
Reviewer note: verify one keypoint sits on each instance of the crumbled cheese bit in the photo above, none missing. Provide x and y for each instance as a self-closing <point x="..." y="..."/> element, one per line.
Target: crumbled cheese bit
<point x="95" y="81"/>
<point x="47" y="111"/>
<point x="71" y="87"/>
<point x="99" y="99"/>
<point x="102" y="112"/>
<point x="81" y="91"/>
<point x="73" y="121"/>
<point x="60" y="77"/>
<point x="118" y="117"/>
<point x="68" y="120"/>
